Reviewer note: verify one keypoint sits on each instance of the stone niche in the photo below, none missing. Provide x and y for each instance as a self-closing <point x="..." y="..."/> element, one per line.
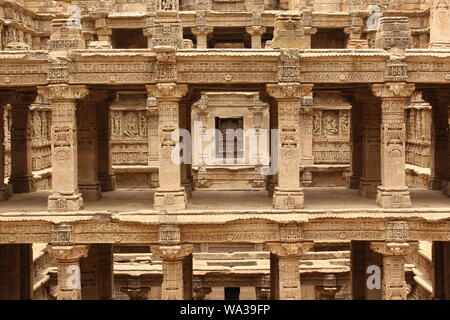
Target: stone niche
<point x="238" y="165"/>
<point x="133" y="130"/>
<point x="331" y="140"/>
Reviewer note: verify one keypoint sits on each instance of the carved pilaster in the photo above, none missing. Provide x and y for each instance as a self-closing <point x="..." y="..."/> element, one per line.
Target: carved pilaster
<point x="176" y="272"/>
<point x="284" y="273"/>
<point x="65" y="195"/>
<point x="393" y="193"/>
<point x="21" y="153"/>
<point x="256" y="33"/>
<point x="394" y="284"/>
<point x="202" y="32"/>
<point x="69" y="274"/>
<point x="371" y="159"/>
<point x="105" y="173"/>
<point x="86" y="114"/>
<point x="170" y="194"/>
<point x="288" y="194"/>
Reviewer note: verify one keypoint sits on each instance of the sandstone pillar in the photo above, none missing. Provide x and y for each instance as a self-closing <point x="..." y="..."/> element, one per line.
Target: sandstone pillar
<point x="185" y="167"/>
<point x="440" y="24"/>
<point x="306" y="134"/>
<point x="256" y="33"/>
<point x="440" y="146"/>
<point x="105" y="172"/>
<point x="441" y="270"/>
<point x="394" y="284"/>
<point x="284" y="269"/>
<point x="5" y="190"/>
<point x="170" y="194"/>
<point x="201" y="33"/>
<point x="86" y="114"/>
<point x="177" y="270"/>
<point x="21" y="154"/>
<point x="393" y="193"/>
<point x="69" y="275"/>
<point x="88" y="274"/>
<point x="288" y="194"/>
<point x="370" y="145"/>
<point x="65" y="195"/>
<point x="97" y="273"/>
<point x="16" y="272"/>
<point x="356" y="145"/>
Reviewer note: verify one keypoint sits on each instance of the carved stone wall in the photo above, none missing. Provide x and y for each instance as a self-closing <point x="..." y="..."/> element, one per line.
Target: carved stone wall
<point x="211" y="171"/>
<point x="418" y="132"/>
<point x="132" y="130"/>
<point x="330" y="125"/>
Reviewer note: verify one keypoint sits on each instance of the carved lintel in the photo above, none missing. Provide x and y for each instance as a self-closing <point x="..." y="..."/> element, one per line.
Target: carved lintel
<point x="62" y="234"/>
<point x="291" y="233"/>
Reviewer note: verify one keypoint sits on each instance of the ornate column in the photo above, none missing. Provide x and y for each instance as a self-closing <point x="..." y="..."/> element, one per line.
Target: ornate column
<point x="356" y="144"/>
<point x="201" y="33"/>
<point x="176" y="273"/>
<point x="89" y="274"/>
<point x="21" y="154"/>
<point x="306" y="128"/>
<point x="371" y="163"/>
<point x="86" y="114"/>
<point x="69" y="275"/>
<point x="65" y="195"/>
<point x="394" y="284"/>
<point x="256" y="33"/>
<point x="170" y="194"/>
<point x="288" y="194"/>
<point x="284" y="272"/>
<point x="105" y="172"/>
<point x="393" y="193"/>
<point x="5" y="190"/>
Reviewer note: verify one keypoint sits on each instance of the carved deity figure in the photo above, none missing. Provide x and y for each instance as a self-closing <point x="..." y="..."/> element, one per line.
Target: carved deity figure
<point x="344" y="123"/>
<point x="316" y="123"/>
<point x="131" y="125"/>
<point x="116" y="123"/>
<point x="143" y="125"/>
<point x="330" y="125"/>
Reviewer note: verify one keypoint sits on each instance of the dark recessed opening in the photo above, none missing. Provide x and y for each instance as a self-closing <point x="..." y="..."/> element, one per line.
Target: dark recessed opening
<point x="128" y="39"/>
<point x="329" y="39"/>
<point x="229" y="138"/>
<point x="232" y="293"/>
<point x="229" y="38"/>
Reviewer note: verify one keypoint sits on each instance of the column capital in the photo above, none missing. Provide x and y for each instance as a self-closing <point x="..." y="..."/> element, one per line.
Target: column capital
<point x="63" y="91"/>
<point x="394" y="248"/>
<point x="289" y="249"/>
<point x="289" y="90"/>
<point x="202" y="30"/>
<point x="69" y="253"/>
<point x="255" y="30"/>
<point x="393" y="89"/>
<point x="172" y="252"/>
<point x="167" y="91"/>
